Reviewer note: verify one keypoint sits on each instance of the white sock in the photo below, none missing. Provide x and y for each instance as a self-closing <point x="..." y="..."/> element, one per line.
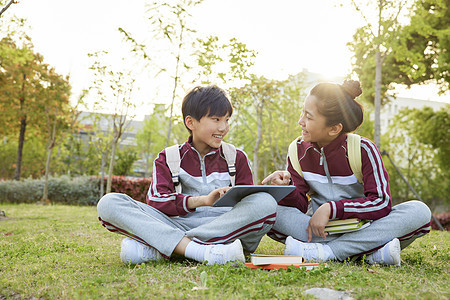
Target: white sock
<point x="195" y="251"/>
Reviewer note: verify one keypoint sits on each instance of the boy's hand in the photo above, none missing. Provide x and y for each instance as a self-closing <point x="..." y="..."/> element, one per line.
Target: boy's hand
<point x="278" y="178"/>
<point x="318" y="222"/>
<point x="207" y="200"/>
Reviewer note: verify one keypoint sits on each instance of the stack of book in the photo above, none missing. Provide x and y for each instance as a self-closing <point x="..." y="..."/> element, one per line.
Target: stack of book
<point x="347" y="225"/>
<point x="269" y="262"/>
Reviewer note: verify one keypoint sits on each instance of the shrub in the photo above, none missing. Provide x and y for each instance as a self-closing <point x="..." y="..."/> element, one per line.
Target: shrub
<point x="23" y="191"/>
<point x="74" y="191"/>
<point x="65" y="190"/>
<point x="444" y="219"/>
<point x="136" y="188"/>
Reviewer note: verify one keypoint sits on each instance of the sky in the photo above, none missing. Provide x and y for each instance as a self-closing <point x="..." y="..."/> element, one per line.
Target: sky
<point x="288" y="35"/>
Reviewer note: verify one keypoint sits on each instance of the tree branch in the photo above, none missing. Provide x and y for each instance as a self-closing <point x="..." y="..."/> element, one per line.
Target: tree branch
<point x="364" y="17"/>
<point x="7" y="6"/>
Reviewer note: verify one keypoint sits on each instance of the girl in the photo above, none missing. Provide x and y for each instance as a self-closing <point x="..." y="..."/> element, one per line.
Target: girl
<point x="329" y="113"/>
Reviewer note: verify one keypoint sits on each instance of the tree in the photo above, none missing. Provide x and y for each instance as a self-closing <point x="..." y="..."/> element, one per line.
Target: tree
<point x="433" y="129"/>
<point x="20" y="83"/>
<point x="210" y="61"/>
<point x="227" y="62"/>
<point x="372" y="44"/>
<point x="421" y="51"/>
<point x="418" y="145"/>
<point x="150" y="138"/>
<point x="260" y="92"/>
<point x="267" y="112"/>
<point x="60" y="116"/>
<point x="102" y="143"/>
<point x="170" y="23"/>
<point x="116" y="88"/>
<point x="125" y="160"/>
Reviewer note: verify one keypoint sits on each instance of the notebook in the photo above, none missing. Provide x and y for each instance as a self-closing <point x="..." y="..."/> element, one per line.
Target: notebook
<point x="236" y="193"/>
<point x="303" y="266"/>
<point x="264" y="259"/>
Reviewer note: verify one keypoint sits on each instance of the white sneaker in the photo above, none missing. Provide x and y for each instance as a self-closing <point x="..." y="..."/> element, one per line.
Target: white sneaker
<point x="311" y="252"/>
<point x="133" y="252"/>
<point x="388" y="255"/>
<point x="221" y="254"/>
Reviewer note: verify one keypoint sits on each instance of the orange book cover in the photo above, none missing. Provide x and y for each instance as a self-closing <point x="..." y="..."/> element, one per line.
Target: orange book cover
<point x="307" y="266"/>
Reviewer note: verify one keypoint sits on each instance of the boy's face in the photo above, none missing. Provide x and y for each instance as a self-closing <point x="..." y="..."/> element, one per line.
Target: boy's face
<point x="208" y="132"/>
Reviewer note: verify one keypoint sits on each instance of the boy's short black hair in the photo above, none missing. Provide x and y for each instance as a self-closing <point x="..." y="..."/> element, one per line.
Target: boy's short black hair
<point x="206" y="101"/>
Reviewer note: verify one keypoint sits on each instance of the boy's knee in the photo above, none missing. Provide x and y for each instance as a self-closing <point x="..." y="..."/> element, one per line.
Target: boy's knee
<point x="266" y="203"/>
<point x="107" y="203"/>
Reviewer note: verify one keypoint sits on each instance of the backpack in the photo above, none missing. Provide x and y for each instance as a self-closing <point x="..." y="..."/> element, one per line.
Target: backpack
<point x="354" y="155"/>
<point x="173" y="160"/>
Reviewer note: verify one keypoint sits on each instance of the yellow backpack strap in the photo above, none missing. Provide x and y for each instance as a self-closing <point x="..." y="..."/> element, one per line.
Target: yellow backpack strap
<point x="293" y="156"/>
<point x="354" y="155"/>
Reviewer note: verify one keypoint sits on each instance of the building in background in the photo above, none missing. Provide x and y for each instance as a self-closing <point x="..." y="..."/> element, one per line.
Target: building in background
<point x="393" y="107"/>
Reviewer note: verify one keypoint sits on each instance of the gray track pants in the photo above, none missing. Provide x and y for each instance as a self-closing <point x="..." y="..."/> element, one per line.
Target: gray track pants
<point x="248" y="221"/>
<point x="407" y="221"/>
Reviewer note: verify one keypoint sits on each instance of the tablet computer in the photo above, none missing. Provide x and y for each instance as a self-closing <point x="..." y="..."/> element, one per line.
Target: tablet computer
<point x="236" y="193"/>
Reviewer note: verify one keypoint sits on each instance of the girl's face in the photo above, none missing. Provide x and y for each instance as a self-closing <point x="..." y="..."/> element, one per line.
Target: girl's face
<point x="313" y="124"/>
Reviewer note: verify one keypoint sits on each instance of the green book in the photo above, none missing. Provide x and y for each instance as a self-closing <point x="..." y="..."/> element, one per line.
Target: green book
<point x="344" y="226"/>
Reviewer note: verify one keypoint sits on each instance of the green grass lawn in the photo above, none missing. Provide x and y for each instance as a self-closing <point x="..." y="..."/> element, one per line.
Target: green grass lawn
<point x="62" y="252"/>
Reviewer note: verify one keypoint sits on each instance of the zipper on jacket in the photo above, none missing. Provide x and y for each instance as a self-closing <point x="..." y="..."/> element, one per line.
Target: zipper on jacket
<point x="323" y="162"/>
<point x="325" y="165"/>
<point x="321" y="155"/>
<point x="202" y="165"/>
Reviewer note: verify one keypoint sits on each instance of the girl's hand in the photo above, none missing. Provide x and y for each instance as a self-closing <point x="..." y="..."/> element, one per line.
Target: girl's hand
<point x="318" y="221"/>
<point x="278" y="178"/>
<point x="207" y="200"/>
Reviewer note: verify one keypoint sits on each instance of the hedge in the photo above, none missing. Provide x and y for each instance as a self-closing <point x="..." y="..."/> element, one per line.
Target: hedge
<point x="74" y="191"/>
<point x="136" y="188"/>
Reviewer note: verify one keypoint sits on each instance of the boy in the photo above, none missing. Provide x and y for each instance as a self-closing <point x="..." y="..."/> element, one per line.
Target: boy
<point x="186" y="223"/>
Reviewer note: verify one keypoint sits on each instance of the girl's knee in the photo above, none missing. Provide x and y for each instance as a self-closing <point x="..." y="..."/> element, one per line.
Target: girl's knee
<point x="419" y="210"/>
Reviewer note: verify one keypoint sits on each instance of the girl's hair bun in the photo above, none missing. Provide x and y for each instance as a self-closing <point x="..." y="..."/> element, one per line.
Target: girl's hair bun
<point x="352" y="87"/>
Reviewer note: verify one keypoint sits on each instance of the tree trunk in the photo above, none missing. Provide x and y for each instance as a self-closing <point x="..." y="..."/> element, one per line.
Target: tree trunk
<point x="147" y="160"/>
<point x="51" y="144"/>
<point x="378" y="69"/>
<point x="47" y="170"/>
<point x="147" y="166"/>
<point x="23" y="125"/>
<point x="259" y="110"/>
<point x="175" y="86"/>
<point x="102" y="178"/>
<point x="377" y="125"/>
<point x="111" y="166"/>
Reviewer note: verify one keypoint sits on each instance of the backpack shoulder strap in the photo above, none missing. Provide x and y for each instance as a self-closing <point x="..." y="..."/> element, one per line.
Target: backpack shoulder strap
<point x="293" y="156"/>
<point x="173" y="160"/>
<point x="229" y="151"/>
<point x="354" y="154"/>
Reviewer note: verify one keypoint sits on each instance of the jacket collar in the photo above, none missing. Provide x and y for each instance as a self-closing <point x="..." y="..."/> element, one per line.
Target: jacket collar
<point x="334" y="145"/>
